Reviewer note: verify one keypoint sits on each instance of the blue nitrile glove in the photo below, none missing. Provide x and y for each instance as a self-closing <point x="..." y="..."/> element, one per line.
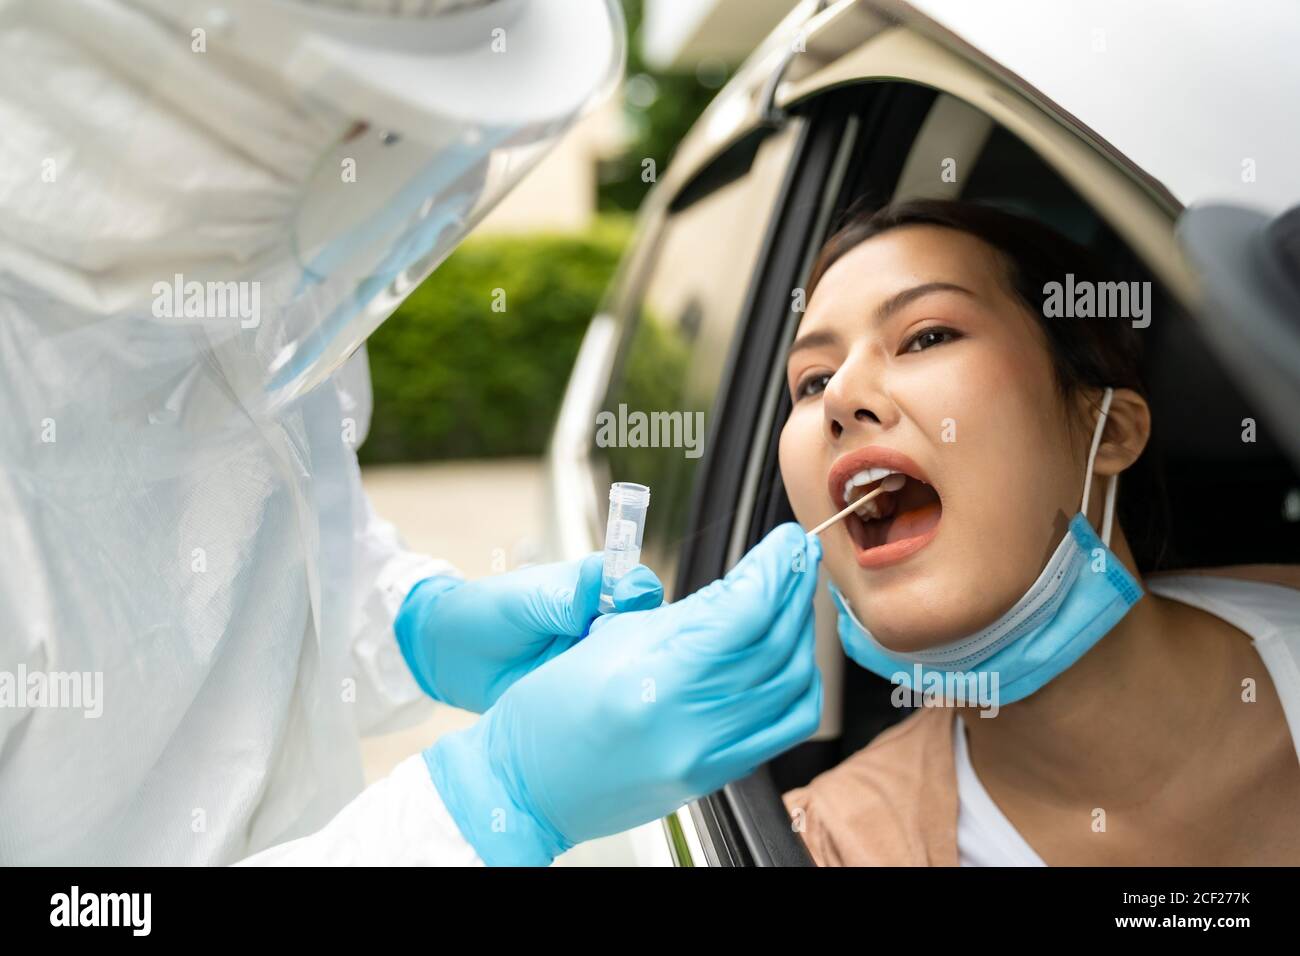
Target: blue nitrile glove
<point x="653" y="709"/>
<point x="467" y="641"/>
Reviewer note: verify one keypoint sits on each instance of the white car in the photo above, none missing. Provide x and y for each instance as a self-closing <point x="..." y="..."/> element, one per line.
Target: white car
<point x="1106" y="120"/>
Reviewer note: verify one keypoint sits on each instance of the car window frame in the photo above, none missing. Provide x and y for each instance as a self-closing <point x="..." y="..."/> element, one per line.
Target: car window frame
<point x="613" y="327"/>
<point x="746" y="823"/>
<point x="740" y="825"/>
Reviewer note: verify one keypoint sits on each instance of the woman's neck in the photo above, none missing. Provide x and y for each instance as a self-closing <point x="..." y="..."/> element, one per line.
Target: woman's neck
<point x="1124" y="717"/>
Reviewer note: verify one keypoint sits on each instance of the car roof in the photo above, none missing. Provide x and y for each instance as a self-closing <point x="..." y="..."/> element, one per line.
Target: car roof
<point x="1189" y="93"/>
<point x="1200" y="100"/>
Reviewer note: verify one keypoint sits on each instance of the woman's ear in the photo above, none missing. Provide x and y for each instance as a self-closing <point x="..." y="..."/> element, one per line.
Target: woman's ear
<point x="1128" y="428"/>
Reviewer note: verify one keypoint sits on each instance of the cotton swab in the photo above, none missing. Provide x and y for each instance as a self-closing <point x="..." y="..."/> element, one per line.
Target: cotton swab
<point x="889" y="483"/>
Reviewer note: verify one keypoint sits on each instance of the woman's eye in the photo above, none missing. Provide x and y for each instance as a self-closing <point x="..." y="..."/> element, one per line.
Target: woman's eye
<point x="927" y="338"/>
<point x="811" y="385"/>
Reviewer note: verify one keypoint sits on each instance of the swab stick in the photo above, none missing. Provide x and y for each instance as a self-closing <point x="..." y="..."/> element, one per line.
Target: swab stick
<point x="890" y="483"/>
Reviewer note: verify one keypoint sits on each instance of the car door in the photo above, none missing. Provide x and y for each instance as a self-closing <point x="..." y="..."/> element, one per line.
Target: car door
<point x="877" y="102"/>
<point x="905" y="104"/>
<point x="659" y="347"/>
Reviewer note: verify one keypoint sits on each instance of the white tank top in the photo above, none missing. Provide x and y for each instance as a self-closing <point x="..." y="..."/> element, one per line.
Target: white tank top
<point x="1269" y="613"/>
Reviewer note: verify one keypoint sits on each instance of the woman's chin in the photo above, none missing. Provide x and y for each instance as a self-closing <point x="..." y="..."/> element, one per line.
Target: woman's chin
<point x="905" y="618"/>
<point x="905" y="622"/>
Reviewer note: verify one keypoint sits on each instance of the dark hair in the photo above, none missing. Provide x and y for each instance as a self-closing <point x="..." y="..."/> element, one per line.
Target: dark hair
<point x="1085" y="353"/>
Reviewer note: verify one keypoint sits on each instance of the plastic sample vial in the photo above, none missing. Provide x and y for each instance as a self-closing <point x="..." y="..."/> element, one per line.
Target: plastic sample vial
<point x="628" y="503"/>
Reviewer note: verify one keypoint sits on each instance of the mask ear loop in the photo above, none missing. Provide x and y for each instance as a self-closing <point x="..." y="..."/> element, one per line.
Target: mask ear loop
<point x="1112" y="486"/>
<point x="1108" y="515"/>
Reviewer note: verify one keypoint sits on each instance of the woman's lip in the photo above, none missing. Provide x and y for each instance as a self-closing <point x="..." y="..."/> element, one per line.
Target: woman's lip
<point x="893" y="552"/>
<point x="872" y="456"/>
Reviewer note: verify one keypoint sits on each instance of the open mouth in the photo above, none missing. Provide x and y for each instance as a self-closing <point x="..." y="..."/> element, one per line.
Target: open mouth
<point x="894" y="524"/>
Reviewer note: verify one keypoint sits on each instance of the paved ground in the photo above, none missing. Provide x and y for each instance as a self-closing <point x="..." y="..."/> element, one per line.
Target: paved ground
<point x="483" y="516"/>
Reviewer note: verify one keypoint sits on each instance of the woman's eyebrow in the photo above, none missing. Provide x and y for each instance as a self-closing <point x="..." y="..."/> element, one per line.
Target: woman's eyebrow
<point x="907" y="296"/>
<point x="883" y="312"/>
<point x="811" y="341"/>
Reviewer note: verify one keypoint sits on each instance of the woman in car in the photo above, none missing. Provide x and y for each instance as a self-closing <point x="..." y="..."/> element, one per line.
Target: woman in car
<point x="1116" y="716"/>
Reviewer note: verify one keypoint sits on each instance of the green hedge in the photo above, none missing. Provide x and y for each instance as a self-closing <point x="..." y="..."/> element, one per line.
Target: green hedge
<point x="455" y="379"/>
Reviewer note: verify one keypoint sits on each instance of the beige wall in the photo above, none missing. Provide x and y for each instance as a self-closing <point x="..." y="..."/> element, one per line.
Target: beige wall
<point x="682" y="34"/>
<point x="560" y="193"/>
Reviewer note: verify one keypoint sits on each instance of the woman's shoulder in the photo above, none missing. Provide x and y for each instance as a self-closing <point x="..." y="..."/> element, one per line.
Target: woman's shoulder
<point x="893" y="803"/>
<point x="1263" y="600"/>
<point x="1287" y="575"/>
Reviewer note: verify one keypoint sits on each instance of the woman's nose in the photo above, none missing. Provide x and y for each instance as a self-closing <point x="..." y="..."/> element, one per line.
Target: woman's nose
<point x="852" y="403"/>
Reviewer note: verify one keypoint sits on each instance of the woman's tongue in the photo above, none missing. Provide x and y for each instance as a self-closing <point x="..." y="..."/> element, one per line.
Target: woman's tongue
<point x="910" y="524"/>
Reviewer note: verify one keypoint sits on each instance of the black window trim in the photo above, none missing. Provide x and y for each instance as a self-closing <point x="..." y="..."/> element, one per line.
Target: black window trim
<point x="745" y="823"/>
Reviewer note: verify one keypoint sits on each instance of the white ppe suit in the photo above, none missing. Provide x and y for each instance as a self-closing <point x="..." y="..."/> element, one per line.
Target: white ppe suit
<point x="181" y="513"/>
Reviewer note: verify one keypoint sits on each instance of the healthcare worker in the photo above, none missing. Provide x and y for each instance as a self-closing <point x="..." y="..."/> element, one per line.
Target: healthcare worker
<point x="205" y="208"/>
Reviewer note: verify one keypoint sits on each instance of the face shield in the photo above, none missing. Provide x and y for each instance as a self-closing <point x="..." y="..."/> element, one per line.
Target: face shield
<point x="434" y="114"/>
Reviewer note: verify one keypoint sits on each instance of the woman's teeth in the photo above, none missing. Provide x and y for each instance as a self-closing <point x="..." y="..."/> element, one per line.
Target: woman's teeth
<point x="866" y="477"/>
<point x="869" y="510"/>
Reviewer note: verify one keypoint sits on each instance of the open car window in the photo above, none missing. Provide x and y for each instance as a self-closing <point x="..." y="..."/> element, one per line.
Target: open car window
<point x="905" y="138"/>
<point x="678" y="325"/>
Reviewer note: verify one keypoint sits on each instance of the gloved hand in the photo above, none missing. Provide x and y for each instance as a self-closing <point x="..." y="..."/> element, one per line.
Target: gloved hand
<point x="467" y="641"/>
<point x="651" y="710"/>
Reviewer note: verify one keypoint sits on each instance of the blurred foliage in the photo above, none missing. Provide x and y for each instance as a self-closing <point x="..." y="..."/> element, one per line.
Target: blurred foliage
<point x="455" y="379"/>
<point x="660" y="107"/>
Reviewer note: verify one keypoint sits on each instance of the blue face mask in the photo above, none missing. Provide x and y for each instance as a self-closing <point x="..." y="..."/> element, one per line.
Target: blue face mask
<point x="1082" y="593"/>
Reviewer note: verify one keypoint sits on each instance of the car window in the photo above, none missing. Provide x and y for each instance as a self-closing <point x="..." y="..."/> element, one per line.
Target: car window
<point x="990" y="164"/>
<point x="1199" y="410"/>
<point x="961" y="153"/>
<point x="654" y="421"/>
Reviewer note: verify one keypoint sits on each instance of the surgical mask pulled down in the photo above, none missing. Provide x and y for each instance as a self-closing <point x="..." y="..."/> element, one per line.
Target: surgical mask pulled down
<point x="1081" y="594"/>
